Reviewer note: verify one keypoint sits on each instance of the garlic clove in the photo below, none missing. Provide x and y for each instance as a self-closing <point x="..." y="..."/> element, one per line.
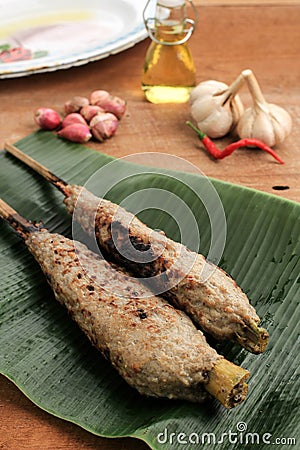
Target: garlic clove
<point x="264" y="121"/>
<point x="207" y="87"/>
<point x="256" y="125"/>
<point x="245" y="124"/>
<point x="237" y="109"/>
<point x="262" y="128"/>
<point x="214" y="119"/>
<point x="271" y="125"/>
<point x="202" y="108"/>
<point x="282" y="122"/>
<point x="215" y="106"/>
<point x="217" y="124"/>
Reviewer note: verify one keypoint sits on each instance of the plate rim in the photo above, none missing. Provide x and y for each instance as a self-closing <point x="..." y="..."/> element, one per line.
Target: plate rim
<point x="104" y="50"/>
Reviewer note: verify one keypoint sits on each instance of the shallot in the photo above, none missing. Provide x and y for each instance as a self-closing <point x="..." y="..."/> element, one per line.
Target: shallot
<point x="104" y="125"/>
<point x="73" y="118"/>
<point x="76" y="132"/>
<point x="108" y="102"/>
<point x="89" y="111"/>
<point x="84" y="118"/>
<point x="75" y="104"/>
<point x="47" y="118"/>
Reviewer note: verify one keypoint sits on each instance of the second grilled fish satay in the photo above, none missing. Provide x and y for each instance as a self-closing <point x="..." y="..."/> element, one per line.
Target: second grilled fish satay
<point x="154" y="347"/>
<point x="217" y="304"/>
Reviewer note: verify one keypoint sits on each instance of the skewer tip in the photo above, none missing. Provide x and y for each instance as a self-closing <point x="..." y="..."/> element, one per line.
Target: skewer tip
<point x="227" y="383"/>
<point x="254" y="339"/>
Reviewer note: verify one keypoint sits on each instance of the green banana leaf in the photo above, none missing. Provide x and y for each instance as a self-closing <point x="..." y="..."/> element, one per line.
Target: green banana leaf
<point x="51" y="361"/>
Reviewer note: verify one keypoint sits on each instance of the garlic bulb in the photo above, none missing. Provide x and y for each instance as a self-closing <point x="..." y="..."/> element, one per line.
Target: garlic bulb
<point x="267" y="122"/>
<point x="215" y="106"/>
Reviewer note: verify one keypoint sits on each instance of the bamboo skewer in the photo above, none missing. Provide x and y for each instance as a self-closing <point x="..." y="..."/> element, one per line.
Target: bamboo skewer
<point x="58" y="182"/>
<point x="225" y="381"/>
<point x="22" y="226"/>
<point x="252" y="337"/>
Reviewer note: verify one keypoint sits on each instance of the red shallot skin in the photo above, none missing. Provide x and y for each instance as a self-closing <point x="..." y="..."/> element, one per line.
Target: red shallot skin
<point x="73" y="118"/>
<point x="104" y="125"/>
<point x="109" y="103"/>
<point x="99" y="96"/>
<point x="77" y="132"/>
<point x="90" y="111"/>
<point x="75" y="104"/>
<point x="47" y="118"/>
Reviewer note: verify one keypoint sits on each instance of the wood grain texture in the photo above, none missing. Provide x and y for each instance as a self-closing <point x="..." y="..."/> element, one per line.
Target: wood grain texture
<point x="245" y="2"/>
<point x="25" y="426"/>
<point x="227" y="40"/>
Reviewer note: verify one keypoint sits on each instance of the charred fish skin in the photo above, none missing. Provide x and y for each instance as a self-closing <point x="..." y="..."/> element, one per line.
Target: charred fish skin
<point x="154" y="347"/>
<point x="217" y="305"/>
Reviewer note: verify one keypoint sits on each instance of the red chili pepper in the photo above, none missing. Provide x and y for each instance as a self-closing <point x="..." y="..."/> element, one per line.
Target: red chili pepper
<point x="220" y="154"/>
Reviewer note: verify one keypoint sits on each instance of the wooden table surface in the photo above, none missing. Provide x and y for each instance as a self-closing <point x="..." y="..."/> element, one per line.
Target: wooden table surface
<point x="265" y="38"/>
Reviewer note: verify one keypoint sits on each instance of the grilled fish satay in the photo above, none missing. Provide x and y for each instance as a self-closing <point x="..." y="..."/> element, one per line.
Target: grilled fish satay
<point x="154" y="347"/>
<point x="218" y="305"/>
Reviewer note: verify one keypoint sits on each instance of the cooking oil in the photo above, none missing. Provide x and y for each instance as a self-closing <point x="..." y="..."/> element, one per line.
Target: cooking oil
<point x="169" y="70"/>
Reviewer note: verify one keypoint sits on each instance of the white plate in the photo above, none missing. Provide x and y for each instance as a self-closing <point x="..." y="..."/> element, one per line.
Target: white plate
<point x="58" y="34"/>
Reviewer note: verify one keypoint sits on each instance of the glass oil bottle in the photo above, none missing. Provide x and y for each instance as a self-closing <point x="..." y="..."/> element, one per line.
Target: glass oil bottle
<point x="169" y="71"/>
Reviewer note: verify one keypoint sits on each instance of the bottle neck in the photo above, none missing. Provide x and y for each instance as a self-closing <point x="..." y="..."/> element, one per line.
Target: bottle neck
<point x="169" y="24"/>
<point x="169" y="15"/>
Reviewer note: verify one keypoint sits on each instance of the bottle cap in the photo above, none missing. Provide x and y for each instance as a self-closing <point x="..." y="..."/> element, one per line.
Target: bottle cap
<point x="170" y="3"/>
